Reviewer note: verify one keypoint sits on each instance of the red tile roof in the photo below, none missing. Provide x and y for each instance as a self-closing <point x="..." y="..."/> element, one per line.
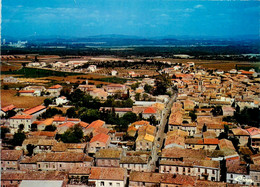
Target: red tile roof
<point x="26" y="91"/>
<point x="55" y="86"/>
<point x="101" y="138"/>
<point x="33" y="110"/>
<point x="96" y="124"/>
<point x="59" y="118"/>
<point x="68" y="124"/>
<point x="22" y="117"/>
<point x="7" y="108"/>
<point x="11" y="154"/>
<point x="253" y="131"/>
<point x="150" y="110"/>
<point x="108" y="173"/>
<point x="211" y="141"/>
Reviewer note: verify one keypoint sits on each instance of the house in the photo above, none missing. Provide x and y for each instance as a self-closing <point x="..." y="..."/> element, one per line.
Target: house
<point x="135" y="163"/>
<point x="149" y="112"/>
<point x="10" y="80"/>
<point x="41" y="125"/>
<point x="92" y="68"/>
<point x="55" y="90"/>
<point x="35" y="111"/>
<point x="113" y="72"/>
<point x="108" y="157"/>
<point x="178" y="154"/>
<point x="100" y="141"/>
<point x="15" y="178"/>
<point x="201" y="169"/>
<point x="174" y="141"/>
<point x="16" y="120"/>
<point x="228" y="111"/>
<point x="113" y="89"/>
<point x="107" y="176"/>
<point x="79" y="176"/>
<point x="4" y="110"/>
<point x="61" y="100"/>
<point x="41" y="145"/>
<point x="242" y="135"/>
<point x="255" y="174"/>
<point x="27" y="92"/>
<point x="94" y="125"/>
<point x="62" y="161"/>
<point x="64" y="127"/>
<point x="119" y="111"/>
<point x="145" y="137"/>
<point x="237" y="173"/>
<point x="69" y="147"/>
<point x="141" y="179"/>
<point x="10" y="159"/>
<point x="38" y="89"/>
<point x="255" y="137"/>
<point x="99" y="93"/>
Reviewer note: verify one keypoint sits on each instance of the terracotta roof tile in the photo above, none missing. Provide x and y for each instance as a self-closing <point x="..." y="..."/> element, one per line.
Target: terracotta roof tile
<point x="107" y="173"/>
<point x="11" y="154"/>
<point x="7" y="108"/>
<point x="101" y="138"/>
<point x="22" y="117"/>
<point x="33" y="110"/>
<point x="150" y="110"/>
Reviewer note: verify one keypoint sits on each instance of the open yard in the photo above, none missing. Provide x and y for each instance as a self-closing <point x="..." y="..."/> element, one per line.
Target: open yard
<point x="8" y="97"/>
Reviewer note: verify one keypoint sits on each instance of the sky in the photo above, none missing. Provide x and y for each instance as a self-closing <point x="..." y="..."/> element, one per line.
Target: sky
<point x="144" y="18"/>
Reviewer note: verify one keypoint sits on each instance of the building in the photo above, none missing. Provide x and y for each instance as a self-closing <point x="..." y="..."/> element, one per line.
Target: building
<point x="15" y="178"/>
<point x="55" y="90"/>
<point x="35" y="111"/>
<point x="108" y="157"/>
<point x="134" y="163"/>
<point x="61" y="100"/>
<point x="100" y="141"/>
<point x="10" y="159"/>
<point x="27" y="93"/>
<point x="41" y="145"/>
<point x="242" y="135"/>
<point x="137" y="178"/>
<point x="107" y="176"/>
<point x="17" y="120"/>
<point x="255" y="174"/>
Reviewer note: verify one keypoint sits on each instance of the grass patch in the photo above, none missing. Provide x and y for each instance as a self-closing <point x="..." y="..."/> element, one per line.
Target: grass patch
<point x="34" y="73"/>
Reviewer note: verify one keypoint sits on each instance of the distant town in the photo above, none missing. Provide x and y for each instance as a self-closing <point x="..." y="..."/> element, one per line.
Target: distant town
<point x="136" y="121"/>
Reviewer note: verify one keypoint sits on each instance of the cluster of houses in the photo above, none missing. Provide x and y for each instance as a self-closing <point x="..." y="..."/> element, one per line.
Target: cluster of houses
<point x="193" y="154"/>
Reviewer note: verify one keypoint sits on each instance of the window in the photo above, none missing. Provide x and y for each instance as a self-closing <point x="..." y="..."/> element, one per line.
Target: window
<point x="213" y="171"/>
<point x="110" y="184"/>
<point x="117" y="184"/>
<point x="177" y="168"/>
<point x="198" y="169"/>
<point x="102" y="183"/>
<point x="231" y="176"/>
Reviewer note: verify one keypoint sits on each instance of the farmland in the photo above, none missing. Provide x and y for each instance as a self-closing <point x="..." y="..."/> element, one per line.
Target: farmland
<point x="8" y="97"/>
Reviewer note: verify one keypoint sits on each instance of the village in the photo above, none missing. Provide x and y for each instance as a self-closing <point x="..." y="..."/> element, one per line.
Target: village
<point x="175" y="124"/>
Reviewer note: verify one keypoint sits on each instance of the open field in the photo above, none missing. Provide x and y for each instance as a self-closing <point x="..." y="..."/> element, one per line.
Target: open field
<point x="8" y="97"/>
<point x="216" y="64"/>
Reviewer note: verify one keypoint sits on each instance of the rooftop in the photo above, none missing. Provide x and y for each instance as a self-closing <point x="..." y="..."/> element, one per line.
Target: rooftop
<point x="107" y="173"/>
<point x="33" y="110"/>
<point x="11" y="155"/>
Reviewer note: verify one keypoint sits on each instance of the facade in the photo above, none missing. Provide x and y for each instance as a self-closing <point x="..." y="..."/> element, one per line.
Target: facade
<point x="108" y="157"/>
<point x="134" y="163"/>
<point x="15" y="121"/>
<point x="100" y="141"/>
<point x="10" y="159"/>
<point x="202" y="169"/>
<point x="106" y="176"/>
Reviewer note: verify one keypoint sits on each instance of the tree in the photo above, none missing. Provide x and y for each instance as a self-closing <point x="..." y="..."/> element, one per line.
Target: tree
<point x="18" y="139"/>
<point x="30" y="148"/>
<point x="130" y="117"/>
<point x="204" y="128"/>
<point x="137" y="96"/>
<point x="72" y="135"/>
<point x="145" y="96"/>
<point x="71" y="112"/>
<point x="4" y="130"/>
<point x="193" y="115"/>
<point x="6" y="87"/>
<point x="47" y="102"/>
<point x="152" y="120"/>
<point x="50" y="128"/>
<point x="34" y="127"/>
<point x="162" y="82"/>
<point x="21" y="127"/>
<point x="148" y="88"/>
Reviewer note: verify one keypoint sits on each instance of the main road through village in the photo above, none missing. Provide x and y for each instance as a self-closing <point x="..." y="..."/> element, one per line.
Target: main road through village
<point x="160" y="135"/>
